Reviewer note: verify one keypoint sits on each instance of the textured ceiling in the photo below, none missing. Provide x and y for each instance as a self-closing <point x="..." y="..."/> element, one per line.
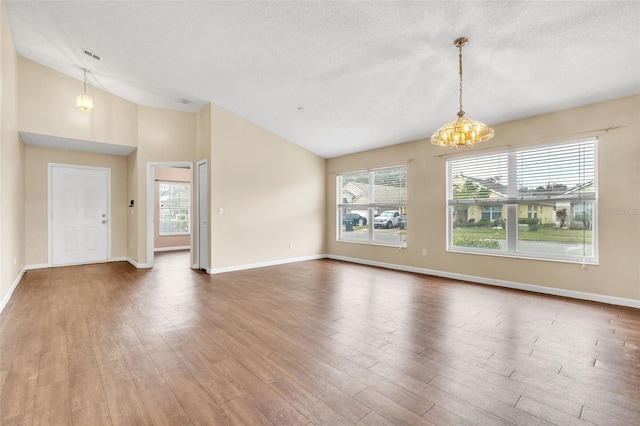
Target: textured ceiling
<point x="367" y="74"/>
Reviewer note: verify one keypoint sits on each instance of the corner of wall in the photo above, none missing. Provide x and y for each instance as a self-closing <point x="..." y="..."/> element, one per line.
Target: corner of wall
<point x="12" y="161"/>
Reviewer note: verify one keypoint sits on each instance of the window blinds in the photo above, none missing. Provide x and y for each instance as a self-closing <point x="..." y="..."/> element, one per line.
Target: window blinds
<point x="561" y="172"/>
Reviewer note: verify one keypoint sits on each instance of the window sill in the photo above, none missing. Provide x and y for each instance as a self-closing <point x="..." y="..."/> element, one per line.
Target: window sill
<point x="372" y="243"/>
<point x="525" y="256"/>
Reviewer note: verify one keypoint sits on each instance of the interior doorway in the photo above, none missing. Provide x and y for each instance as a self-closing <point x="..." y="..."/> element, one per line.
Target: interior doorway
<point x="169" y="214"/>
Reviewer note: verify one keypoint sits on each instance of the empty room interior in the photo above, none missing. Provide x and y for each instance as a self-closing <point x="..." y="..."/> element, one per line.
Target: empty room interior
<point x="319" y="213"/>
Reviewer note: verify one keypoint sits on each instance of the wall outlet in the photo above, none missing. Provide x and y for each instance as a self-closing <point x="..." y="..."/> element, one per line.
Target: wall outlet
<point x="290" y="245"/>
<point x="424" y="252"/>
<point x="15" y="261"/>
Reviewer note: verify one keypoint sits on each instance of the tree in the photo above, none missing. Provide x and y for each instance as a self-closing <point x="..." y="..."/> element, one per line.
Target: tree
<point x="470" y="190"/>
<point x="562" y="216"/>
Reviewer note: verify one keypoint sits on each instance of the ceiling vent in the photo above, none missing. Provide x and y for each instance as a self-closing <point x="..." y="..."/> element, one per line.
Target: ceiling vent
<point x="93" y="55"/>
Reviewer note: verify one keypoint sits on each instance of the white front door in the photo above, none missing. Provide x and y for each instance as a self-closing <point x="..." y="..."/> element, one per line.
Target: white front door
<point x="79" y="207"/>
<point x="203" y="213"/>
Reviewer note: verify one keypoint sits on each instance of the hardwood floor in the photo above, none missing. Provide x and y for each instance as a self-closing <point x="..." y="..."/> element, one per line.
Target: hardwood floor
<point x="319" y="342"/>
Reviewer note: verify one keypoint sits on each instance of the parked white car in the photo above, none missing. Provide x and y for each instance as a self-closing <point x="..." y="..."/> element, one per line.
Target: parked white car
<point x="386" y="219"/>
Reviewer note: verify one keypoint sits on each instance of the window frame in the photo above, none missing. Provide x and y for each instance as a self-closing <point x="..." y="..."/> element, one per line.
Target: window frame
<point x="513" y="203"/>
<point x="371" y="207"/>
<point x="187" y="208"/>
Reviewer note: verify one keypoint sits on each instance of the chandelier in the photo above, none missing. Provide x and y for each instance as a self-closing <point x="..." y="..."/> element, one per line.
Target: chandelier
<point x="462" y="131"/>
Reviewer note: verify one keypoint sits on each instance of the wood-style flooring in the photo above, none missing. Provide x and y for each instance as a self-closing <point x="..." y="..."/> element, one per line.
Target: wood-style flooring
<point x="320" y="342"/>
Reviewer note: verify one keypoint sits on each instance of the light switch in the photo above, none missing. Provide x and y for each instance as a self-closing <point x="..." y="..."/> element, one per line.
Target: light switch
<point x="220" y="210"/>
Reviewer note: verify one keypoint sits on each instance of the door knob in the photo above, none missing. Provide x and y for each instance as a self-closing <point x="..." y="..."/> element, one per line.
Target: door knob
<point x="104" y="221"/>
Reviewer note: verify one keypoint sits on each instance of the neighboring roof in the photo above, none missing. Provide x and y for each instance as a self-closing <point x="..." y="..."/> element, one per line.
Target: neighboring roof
<point x="491" y="184"/>
<point x="355" y="192"/>
<point x="550" y="191"/>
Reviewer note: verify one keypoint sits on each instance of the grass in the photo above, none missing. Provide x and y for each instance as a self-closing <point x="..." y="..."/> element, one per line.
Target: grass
<point x="542" y="234"/>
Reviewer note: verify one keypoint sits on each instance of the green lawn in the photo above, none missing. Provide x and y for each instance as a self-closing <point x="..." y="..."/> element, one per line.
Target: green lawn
<point x="542" y="234"/>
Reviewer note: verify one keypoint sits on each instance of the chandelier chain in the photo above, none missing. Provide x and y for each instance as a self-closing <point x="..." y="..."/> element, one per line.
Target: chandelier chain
<point x="460" y="65"/>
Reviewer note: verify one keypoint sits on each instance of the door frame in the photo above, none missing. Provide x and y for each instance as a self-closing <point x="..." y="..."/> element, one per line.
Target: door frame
<point x="197" y="264"/>
<point x="50" y="167"/>
<point x="151" y="165"/>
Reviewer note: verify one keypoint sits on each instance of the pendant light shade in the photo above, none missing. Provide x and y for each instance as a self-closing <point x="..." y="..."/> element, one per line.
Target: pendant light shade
<point x="84" y="102"/>
<point x="462" y="131"/>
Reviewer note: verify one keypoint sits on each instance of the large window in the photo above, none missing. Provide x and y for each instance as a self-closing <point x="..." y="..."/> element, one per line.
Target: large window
<point x="372" y="206"/>
<point x="175" y="206"/>
<point x="534" y="202"/>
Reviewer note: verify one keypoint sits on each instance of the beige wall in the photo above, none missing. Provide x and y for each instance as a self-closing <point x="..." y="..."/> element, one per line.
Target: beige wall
<point x="168" y="174"/>
<point x="48" y="106"/>
<point x="271" y="190"/>
<point x="37" y="159"/>
<point x="11" y="165"/>
<point x="618" y="273"/>
<point x="163" y="136"/>
<point x="132" y="216"/>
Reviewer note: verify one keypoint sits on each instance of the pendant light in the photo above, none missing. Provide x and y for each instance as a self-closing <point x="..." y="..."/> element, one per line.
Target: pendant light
<point x="84" y="102"/>
<point x="462" y="131"/>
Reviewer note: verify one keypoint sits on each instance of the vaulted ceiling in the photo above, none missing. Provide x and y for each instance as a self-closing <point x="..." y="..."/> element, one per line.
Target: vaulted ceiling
<point x="342" y="77"/>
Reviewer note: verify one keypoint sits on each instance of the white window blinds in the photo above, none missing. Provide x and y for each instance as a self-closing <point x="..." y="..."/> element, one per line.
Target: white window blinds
<point x="374" y="188"/>
<point x="559" y="172"/>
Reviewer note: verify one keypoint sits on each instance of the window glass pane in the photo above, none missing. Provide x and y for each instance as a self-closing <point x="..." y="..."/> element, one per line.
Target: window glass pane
<point x="562" y="229"/>
<point x="480" y="177"/>
<point x="479" y="234"/>
<point x="174" y="201"/>
<point x="556" y="170"/>
<point x="354" y="225"/>
<point x="388" y="227"/>
<point x="355" y="188"/>
<point x="390" y="186"/>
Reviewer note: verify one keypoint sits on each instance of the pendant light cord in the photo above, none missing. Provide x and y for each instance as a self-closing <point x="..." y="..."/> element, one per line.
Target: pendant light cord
<point x="85" y="80"/>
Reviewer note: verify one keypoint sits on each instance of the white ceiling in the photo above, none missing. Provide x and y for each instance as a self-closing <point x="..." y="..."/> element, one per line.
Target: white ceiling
<point x="367" y="74"/>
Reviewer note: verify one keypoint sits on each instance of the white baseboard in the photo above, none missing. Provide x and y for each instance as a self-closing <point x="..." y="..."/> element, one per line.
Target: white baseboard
<point x="37" y="266"/>
<point x="46" y="265"/>
<point x="612" y="300"/>
<point x="138" y="265"/>
<point x="5" y="299"/>
<point x="172" y="248"/>
<point x="263" y="264"/>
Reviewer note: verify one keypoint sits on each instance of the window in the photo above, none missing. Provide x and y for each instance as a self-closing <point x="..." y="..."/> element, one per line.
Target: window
<point x="372" y="206"/>
<point x="175" y="206"/>
<point x="534" y="202"/>
<point x="491" y="213"/>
